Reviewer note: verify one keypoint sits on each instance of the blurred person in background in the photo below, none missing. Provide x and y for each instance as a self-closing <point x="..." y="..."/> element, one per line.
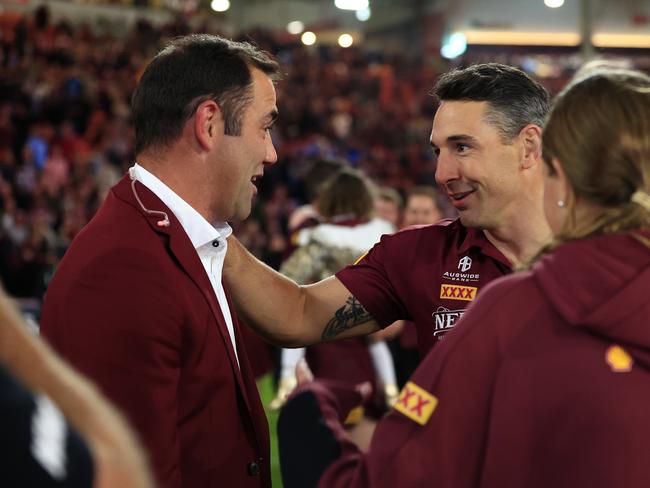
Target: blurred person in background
<point x="345" y="204"/>
<point x="422" y="207"/>
<point x="57" y="429"/>
<point x="137" y="303"/>
<point x="389" y="205"/>
<point x="319" y="172"/>
<point x="546" y="379"/>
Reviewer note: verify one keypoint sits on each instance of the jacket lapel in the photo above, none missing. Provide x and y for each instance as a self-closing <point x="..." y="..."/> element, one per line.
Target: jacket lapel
<point x="183" y="250"/>
<point x="258" y="415"/>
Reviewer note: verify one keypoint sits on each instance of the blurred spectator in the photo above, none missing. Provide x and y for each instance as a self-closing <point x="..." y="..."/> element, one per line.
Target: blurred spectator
<point x="389" y="205"/>
<point x="422" y="206"/>
<point x="318" y="172"/>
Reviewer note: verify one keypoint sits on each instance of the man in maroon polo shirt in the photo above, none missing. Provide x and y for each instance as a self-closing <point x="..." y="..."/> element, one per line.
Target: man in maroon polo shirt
<point x="487" y="136"/>
<point x="546" y="381"/>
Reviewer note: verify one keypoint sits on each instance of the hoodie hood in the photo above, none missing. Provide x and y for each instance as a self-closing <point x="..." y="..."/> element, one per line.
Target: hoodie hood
<point x="601" y="284"/>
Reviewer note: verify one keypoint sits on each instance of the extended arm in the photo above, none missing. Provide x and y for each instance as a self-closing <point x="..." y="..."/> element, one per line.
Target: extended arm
<point x="435" y="435"/>
<point x="119" y="460"/>
<point x="286" y="313"/>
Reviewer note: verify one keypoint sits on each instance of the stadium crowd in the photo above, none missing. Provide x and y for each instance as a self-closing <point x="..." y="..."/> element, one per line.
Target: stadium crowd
<point x="67" y="139"/>
<point x="65" y="134"/>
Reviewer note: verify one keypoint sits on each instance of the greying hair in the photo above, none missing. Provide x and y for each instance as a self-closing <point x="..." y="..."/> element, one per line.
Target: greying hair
<point x="514" y="98"/>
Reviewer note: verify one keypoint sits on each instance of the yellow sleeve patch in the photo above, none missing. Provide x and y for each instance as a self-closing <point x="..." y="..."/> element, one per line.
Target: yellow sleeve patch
<point x="354" y="416"/>
<point x="416" y="403"/>
<point x="618" y="359"/>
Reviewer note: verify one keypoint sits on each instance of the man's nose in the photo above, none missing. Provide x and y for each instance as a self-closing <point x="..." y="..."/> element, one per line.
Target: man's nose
<point x="446" y="169"/>
<point x="271" y="156"/>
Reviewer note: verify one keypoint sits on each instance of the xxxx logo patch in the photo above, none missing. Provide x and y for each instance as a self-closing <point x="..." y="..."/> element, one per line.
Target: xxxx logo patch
<point x="416" y="403"/>
<point x="457" y="292"/>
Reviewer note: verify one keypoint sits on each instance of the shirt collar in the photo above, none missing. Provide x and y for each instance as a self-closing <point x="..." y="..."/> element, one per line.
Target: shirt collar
<point x="477" y="238"/>
<point x="199" y="230"/>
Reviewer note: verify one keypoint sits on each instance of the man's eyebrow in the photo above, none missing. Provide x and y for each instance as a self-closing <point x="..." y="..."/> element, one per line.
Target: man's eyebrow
<point x="454" y="138"/>
<point x="272" y="116"/>
<point x="461" y="138"/>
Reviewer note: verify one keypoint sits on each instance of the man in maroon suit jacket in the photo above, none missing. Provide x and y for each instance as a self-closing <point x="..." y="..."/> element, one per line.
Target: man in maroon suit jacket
<point x="137" y="303"/>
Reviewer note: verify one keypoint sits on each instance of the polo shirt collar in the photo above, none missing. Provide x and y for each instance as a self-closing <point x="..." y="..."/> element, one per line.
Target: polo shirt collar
<point x="476" y="238"/>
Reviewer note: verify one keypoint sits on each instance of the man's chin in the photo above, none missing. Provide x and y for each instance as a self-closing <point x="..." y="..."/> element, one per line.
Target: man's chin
<point x="468" y="219"/>
<point x="243" y="213"/>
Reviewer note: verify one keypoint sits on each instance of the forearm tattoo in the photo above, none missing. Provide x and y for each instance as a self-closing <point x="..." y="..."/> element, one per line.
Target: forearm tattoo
<point x="349" y="315"/>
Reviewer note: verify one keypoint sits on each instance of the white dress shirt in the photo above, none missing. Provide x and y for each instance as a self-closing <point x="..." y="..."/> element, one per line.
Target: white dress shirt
<point x="208" y="240"/>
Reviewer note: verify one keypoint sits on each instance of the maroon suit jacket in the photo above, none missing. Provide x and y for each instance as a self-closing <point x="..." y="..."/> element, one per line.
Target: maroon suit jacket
<point x="131" y="307"/>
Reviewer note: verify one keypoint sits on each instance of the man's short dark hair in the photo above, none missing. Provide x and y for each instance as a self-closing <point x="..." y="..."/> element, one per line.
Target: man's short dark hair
<point x="189" y="71"/>
<point x="514" y="98"/>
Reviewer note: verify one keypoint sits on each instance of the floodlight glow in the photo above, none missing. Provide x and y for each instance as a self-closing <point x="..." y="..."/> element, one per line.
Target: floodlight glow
<point x="345" y="40"/>
<point x="363" y="14"/>
<point x="295" y="27"/>
<point x="220" y="5"/>
<point x="308" y="38"/>
<point x="351" y="4"/>
<point x="553" y="3"/>
<point x="455" y="46"/>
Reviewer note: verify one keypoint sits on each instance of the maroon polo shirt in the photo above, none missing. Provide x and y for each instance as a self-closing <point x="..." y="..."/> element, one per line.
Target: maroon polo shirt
<point x="426" y="274"/>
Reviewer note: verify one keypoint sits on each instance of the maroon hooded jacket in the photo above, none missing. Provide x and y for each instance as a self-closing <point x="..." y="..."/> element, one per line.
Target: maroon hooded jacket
<point x="544" y="383"/>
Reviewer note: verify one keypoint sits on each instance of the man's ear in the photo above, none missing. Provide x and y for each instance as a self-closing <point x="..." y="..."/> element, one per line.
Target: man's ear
<point x="208" y="124"/>
<point x="531" y="138"/>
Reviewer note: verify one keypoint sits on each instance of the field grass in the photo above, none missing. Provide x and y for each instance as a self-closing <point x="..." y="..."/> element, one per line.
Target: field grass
<point x="267" y="392"/>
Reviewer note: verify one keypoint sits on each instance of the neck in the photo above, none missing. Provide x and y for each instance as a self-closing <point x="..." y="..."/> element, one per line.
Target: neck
<point x="182" y="182"/>
<point x="520" y="241"/>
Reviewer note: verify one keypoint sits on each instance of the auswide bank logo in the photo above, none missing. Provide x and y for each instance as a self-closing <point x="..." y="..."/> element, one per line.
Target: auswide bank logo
<point x="465" y="264"/>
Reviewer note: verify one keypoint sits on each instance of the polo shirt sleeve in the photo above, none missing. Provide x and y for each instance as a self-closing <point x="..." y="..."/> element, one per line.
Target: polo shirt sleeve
<point x="369" y="281"/>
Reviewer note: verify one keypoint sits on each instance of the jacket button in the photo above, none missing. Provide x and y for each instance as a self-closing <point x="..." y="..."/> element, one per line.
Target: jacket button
<point x="215" y="243"/>
<point x="253" y="468"/>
